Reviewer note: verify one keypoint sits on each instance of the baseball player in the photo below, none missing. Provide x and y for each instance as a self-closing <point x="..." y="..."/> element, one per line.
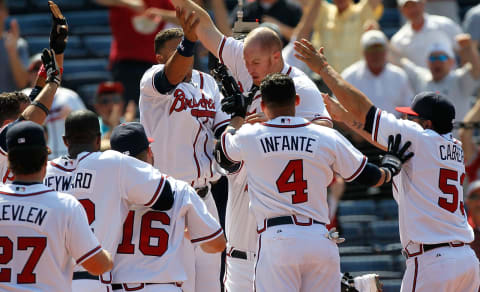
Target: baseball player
<point x="184" y="105"/>
<point x="44" y="232"/>
<point x="16" y="106"/>
<point x="434" y="231"/>
<point x="145" y="269"/>
<point x="294" y="250"/>
<point x="107" y="184"/>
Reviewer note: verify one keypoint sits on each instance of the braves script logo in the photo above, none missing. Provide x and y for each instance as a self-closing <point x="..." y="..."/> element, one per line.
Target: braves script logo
<point x="182" y="103"/>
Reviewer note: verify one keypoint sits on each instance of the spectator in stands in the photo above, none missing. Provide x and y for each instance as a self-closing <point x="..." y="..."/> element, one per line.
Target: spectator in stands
<point x="285" y="14"/>
<point x="13" y="54"/>
<point x="384" y="83"/>
<point x="109" y="104"/>
<point x="457" y="84"/>
<point x="420" y="31"/>
<point x="447" y="8"/>
<point x="339" y="27"/>
<point x="134" y="25"/>
<point x="471" y="23"/>
<point x="471" y="150"/>
<point x="64" y="102"/>
<point x="473" y="211"/>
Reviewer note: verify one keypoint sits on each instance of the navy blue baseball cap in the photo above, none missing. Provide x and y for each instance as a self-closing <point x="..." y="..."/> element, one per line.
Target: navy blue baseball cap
<point x="129" y="139"/>
<point x="432" y="106"/>
<point x="25" y="134"/>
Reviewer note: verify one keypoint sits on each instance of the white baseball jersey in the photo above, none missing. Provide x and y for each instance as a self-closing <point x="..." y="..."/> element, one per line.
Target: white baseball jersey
<point x="152" y="241"/>
<point x="429" y="188"/>
<point x="107" y="184"/>
<point x="230" y="53"/>
<point x="182" y="123"/>
<point x="44" y="233"/>
<point x="289" y="163"/>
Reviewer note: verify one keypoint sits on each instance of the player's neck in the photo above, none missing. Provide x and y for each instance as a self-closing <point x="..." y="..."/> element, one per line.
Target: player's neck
<point x="29" y="178"/>
<point x="275" y="113"/>
<point x="74" y="150"/>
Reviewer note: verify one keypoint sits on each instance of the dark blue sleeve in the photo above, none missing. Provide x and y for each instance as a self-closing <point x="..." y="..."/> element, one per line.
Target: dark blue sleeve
<point x="369" y="175"/>
<point x="369" y="119"/>
<point x="161" y="82"/>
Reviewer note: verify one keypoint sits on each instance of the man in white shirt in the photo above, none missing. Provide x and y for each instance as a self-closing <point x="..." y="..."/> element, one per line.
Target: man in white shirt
<point x="386" y="84"/>
<point x="421" y="31"/>
<point x="459" y="84"/>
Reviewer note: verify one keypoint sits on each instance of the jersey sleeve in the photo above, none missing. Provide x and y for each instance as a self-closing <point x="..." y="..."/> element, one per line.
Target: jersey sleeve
<point x="230" y="53"/>
<point x="80" y="240"/>
<point x="386" y="124"/>
<point x="231" y="146"/>
<point x="147" y="84"/>
<point x="201" y="225"/>
<point x="141" y="181"/>
<point x="349" y="162"/>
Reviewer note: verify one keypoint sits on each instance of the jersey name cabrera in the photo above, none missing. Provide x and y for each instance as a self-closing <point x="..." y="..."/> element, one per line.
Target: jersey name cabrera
<point x="152" y="241"/>
<point x="182" y="123"/>
<point x="429" y="188"/>
<point x="301" y="159"/>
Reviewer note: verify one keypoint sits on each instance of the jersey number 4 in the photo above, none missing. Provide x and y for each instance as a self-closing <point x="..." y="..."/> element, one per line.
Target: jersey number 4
<point x="450" y="189"/>
<point x="147" y="232"/>
<point x="23" y="243"/>
<point x="285" y="183"/>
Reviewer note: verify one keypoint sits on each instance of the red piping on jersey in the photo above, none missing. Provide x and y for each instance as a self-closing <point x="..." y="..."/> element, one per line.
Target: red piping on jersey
<point x="264" y="227"/>
<point x="201" y="81"/>
<point x="2" y="152"/>
<point x="88" y="254"/>
<point x="206" y="154"/>
<point x="415" y="275"/>
<point x="220" y="52"/>
<point x="67" y="169"/>
<point x="225" y="150"/>
<point x="394" y="186"/>
<point x="207" y="237"/>
<point x="286" y="126"/>
<point x="322" y="118"/>
<point x="256" y="264"/>
<point x="376" y="125"/>
<point x="289" y="70"/>
<point x="194" y="150"/>
<point x="219" y="124"/>
<point x="257" y="96"/>
<point x="155" y="195"/>
<point x="362" y="165"/>
<point x="26" y="195"/>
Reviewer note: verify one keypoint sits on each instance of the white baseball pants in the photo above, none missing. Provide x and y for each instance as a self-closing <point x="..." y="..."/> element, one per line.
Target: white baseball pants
<point x="444" y="269"/>
<point x="238" y="275"/>
<point x="293" y="258"/>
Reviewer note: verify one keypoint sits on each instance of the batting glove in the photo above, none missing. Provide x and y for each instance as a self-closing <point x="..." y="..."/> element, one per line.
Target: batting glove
<point x="394" y="158"/>
<point x="334" y="236"/>
<point x="53" y="72"/>
<point x="235" y="104"/>
<point x="59" y="32"/>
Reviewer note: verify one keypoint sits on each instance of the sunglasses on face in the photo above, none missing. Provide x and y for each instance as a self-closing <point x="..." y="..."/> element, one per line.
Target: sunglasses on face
<point x="108" y="100"/>
<point x="412" y="117"/>
<point x="441" y="58"/>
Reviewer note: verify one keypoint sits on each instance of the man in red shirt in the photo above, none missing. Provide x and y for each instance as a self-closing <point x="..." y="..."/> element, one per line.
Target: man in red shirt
<point x="134" y="24"/>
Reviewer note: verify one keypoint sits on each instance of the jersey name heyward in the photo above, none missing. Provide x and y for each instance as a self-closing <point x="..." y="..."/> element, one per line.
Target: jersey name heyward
<point x="62" y="183"/>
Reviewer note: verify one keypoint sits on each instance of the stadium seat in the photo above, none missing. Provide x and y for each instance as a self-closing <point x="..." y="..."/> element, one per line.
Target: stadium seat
<point x="354" y="233"/>
<point x="387" y="209"/>
<point x="89" y="22"/>
<point x="385" y="231"/>
<point x="355" y="250"/>
<point x="17" y="6"/>
<point x="82" y="65"/>
<point x="77" y="79"/>
<point x="98" y="46"/>
<point x="34" y="24"/>
<point x="357" y="218"/>
<point x="63" y="4"/>
<point x="75" y="48"/>
<point x="391" y="285"/>
<point x="366" y="263"/>
<point x="87" y="93"/>
<point x="360" y="207"/>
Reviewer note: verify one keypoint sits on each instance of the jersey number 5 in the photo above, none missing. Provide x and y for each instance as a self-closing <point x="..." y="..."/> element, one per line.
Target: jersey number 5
<point x="450" y="189"/>
<point x="285" y="183"/>
<point x="147" y="232"/>
<point x="23" y="243"/>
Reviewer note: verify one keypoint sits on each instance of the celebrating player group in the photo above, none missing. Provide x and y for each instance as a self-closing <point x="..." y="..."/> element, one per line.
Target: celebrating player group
<point x="141" y="216"/>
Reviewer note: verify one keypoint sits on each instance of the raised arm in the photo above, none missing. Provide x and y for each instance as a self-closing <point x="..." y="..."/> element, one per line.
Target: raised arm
<point x="466" y="133"/>
<point x="355" y="102"/>
<point x="469" y="53"/>
<point x="208" y="34"/>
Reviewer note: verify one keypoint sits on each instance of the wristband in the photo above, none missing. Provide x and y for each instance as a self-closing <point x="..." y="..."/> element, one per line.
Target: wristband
<point x="35" y="91"/>
<point x="41" y="106"/>
<point x="186" y="48"/>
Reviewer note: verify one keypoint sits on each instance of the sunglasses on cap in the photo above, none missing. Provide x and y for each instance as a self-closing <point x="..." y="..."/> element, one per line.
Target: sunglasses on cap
<point x="441" y="58"/>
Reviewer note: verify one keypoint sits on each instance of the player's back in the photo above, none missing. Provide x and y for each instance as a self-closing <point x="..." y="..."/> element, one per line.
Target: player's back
<point x="290" y="163"/>
<point x="153" y="241"/>
<point x="39" y="238"/>
<point x="106" y="184"/>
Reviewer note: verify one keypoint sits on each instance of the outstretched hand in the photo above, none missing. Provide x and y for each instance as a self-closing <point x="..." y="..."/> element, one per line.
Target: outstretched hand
<point x="307" y="53"/>
<point x="59" y="32"/>
<point x="337" y="112"/>
<point x="189" y="24"/>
